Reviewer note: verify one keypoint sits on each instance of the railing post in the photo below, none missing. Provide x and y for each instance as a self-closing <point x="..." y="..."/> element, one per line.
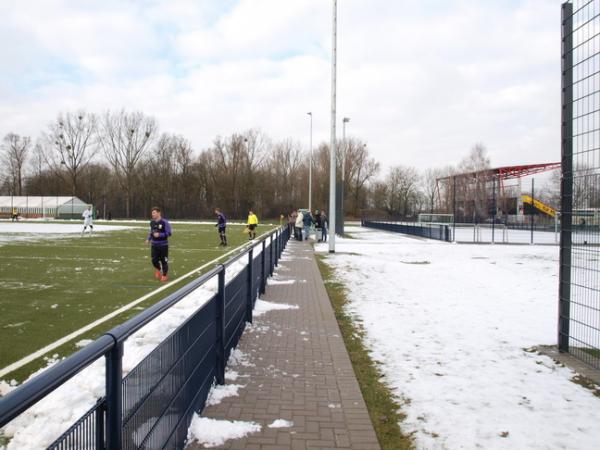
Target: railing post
<point x="100" y="411"/>
<point x="276" y="249"/>
<point x="249" y="283"/>
<point x="114" y="398"/>
<point x="263" y="277"/>
<point x="271" y="256"/>
<point x="221" y="328"/>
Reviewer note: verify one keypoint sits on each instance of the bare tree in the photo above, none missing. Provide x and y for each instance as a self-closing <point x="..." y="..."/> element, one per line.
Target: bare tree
<point x="14" y="154"/>
<point x="402" y="191"/>
<point x="473" y="188"/>
<point x="360" y="169"/>
<point x="72" y="137"/>
<point x="125" y="138"/>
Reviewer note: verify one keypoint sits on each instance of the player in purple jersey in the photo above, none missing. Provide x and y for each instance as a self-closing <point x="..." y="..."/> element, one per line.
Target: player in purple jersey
<point x="221" y="226"/>
<point x="160" y="230"/>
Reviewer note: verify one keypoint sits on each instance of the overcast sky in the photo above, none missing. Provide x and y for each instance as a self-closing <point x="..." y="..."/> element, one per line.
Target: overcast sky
<point x="422" y="81"/>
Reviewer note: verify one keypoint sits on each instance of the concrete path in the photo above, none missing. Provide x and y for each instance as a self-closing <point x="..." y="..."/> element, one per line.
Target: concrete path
<point x="297" y="369"/>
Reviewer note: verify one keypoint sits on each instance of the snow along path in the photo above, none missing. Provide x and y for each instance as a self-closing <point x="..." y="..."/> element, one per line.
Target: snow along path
<point x="41" y="424"/>
<point x="450" y="323"/>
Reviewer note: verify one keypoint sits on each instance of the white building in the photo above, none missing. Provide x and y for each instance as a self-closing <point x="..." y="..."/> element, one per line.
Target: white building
<point x="42" y="206"/>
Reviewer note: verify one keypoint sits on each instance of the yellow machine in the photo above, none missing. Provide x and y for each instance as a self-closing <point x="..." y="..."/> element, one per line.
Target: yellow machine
<point x="539" y="205"/>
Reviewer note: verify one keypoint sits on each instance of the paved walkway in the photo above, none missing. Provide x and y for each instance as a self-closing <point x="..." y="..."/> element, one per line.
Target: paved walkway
<point x="298" y="369"/>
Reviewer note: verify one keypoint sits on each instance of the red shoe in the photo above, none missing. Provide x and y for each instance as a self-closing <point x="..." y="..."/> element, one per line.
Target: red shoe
<point x="164" y="278"/>
<point x="157" y="274"/>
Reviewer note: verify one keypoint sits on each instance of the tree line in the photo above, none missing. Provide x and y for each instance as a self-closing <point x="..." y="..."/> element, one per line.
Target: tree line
<point x="122" y="163"/>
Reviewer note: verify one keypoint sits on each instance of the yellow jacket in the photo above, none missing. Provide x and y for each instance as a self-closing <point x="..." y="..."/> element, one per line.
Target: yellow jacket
<point x="252" y="219"/>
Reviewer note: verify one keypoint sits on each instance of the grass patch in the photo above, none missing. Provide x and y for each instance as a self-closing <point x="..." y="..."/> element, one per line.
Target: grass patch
<point x="53" y="286"/>
<point x="591" y="351"/>
<point x="383" y="409"/>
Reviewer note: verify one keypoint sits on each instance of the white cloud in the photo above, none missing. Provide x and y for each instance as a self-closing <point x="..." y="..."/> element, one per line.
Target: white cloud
<point x="422" y="81"/>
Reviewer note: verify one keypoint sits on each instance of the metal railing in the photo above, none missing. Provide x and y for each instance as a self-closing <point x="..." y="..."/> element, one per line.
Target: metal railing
<point x="579" y="302"/>
<point x="152" y="406"/>
<point x="439" y="232"/>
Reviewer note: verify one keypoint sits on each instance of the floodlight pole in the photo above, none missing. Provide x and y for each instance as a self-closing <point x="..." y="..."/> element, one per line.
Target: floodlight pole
<point x="332" y="159"/>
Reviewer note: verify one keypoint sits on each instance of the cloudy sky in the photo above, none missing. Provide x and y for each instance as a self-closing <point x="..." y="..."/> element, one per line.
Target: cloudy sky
<point x="422" y="81"/>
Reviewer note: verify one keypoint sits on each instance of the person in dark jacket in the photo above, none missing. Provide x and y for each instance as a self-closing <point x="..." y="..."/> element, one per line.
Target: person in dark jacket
<point x="160" y="231"/>
<point x="308" y="221"/>
<point x="318" y="226"/>
<point x="324" y="225"/>
<point x="221" y="226"/>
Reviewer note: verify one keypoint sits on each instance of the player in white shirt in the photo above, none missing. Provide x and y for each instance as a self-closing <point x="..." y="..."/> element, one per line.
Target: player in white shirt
<point x="87" y="220"/>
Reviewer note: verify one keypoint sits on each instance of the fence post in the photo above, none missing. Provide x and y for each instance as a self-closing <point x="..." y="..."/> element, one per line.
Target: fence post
<point x="263" y="278"/>
<point x="249" y="283"/>
<point x="532" y="207"/>
<point x="114" y="398"/>
<point x="566" y="185"/>
<point x="221" y="328"/>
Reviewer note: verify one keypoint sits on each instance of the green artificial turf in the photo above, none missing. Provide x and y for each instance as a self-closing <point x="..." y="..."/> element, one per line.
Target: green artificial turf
<point x="52" y="287"/>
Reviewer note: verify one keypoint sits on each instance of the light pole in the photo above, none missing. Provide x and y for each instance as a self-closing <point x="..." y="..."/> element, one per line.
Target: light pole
<point x="310" y="164"/>
<point x="345" y="120"/>
<point x="332" y="160"/>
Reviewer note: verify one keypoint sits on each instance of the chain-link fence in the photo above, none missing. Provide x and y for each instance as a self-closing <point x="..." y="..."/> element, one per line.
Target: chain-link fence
<point x="579" y="315"/>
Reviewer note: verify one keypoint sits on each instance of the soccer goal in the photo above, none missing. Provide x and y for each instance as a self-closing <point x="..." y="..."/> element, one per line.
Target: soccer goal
<point x="436" y="218"/>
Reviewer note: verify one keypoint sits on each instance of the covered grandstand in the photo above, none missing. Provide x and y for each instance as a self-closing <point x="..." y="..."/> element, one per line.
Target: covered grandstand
<point x="57" y="207"/>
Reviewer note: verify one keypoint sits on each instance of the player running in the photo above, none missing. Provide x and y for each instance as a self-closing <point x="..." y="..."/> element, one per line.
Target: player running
<point x="252" y="224"/>
<point x="87" y="220"/>
<point x="160" y="230"/>
<point x="221" y="227"/>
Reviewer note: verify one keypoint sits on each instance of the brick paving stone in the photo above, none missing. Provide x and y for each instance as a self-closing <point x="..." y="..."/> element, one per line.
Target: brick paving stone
<point x="300" y="370"/>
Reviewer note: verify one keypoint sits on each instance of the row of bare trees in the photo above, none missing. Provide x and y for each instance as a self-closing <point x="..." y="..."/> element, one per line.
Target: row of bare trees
<point x="123" y="164"/>
<point x="120" y="162"/>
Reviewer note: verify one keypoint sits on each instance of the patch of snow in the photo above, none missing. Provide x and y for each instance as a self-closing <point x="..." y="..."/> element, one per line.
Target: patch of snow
<point x="274" y="282"/>
<point x="82" y="343"/>
<point x="219" y="392"/>
<point x="231" y="375"/>
<point x="213" y="432"/>
<point x="6" y="387"/>
<point x="239" y="358"/>
<point x="262" y="307"/>
<point x="281" y="423"/>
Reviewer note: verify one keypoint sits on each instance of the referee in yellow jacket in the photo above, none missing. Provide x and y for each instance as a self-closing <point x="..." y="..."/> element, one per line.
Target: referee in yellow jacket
<point x="252" y="224"/>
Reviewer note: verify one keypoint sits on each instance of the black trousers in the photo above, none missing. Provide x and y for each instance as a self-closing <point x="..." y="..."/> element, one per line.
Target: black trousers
<point x="160" y="257"/>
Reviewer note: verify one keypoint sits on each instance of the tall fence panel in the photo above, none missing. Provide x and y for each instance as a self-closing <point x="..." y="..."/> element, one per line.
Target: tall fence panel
<point x="438" y="232"/>
<point x="579" y="292"/>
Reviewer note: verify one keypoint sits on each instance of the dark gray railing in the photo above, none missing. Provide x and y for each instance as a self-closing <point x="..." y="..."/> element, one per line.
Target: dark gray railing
<point x="152" y="406"/>
<point x="439" y="232"/>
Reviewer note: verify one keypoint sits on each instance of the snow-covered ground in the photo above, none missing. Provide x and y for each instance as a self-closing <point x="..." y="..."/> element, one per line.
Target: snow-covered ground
<point x="34" y="231"/>
<point x="450" y="324"/>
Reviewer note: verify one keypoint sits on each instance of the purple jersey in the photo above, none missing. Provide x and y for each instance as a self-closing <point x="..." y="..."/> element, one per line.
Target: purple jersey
<point x="221" y="221"/>
<point x="163" y="228"/>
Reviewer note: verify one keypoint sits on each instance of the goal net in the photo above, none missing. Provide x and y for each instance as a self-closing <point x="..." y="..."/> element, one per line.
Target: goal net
<point x="436" y="218"/>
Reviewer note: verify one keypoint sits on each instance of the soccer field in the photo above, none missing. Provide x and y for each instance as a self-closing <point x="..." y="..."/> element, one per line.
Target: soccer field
<point x="54" y="283"/>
